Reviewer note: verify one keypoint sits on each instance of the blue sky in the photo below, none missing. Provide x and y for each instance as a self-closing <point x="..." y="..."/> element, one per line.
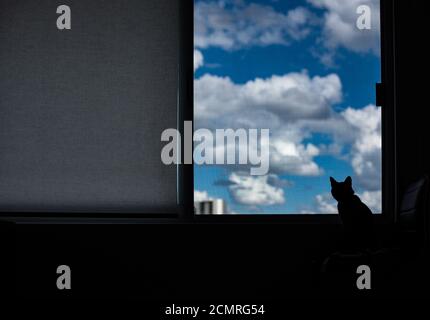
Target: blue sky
<point x="331" y="68"/>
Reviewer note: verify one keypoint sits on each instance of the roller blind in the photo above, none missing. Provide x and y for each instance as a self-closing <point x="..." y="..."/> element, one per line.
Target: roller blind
<point x="82" y="110"/>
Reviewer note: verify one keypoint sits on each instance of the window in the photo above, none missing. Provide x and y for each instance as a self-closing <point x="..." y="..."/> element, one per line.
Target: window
<point x="81" y="113"/>
<point x="304" y="69"/>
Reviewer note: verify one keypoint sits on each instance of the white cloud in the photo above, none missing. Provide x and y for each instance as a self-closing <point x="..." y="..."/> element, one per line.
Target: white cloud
<point x="359" y="131"/>
<point x="362" y="128"/>
<point x="340" y="30"/>
<point x="256" y="191"/>
<point x="295" y="106"/>
<point x="325" y="204"/>
<point x="373" y="199"/>
<point x="366" y="152"/>
<point x="294" y="158"/>
<point x="287" y="154"/>
<point x="278" y="103"/>
<point x="198" y="59"/>
<point x="291" y="96"/>
<point x="231" y="25"/>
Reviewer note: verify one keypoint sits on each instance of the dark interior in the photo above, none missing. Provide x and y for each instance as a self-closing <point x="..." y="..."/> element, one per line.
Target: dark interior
<point x="186" y="260"/>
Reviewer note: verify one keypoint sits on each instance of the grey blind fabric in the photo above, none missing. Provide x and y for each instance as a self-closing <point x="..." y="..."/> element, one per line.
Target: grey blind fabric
<point x="82" y="110"/>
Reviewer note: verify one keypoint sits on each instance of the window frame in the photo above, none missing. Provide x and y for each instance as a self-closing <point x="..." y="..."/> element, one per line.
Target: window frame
<point x="185" y="109"/>
<point x="386" y="97"/>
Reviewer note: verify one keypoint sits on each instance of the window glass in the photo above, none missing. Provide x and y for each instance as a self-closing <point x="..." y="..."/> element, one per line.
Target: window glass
<point x="304" y="69"/>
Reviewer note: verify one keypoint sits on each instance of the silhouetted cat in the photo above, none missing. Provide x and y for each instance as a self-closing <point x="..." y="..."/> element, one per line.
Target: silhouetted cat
<point x="356" y="216"/>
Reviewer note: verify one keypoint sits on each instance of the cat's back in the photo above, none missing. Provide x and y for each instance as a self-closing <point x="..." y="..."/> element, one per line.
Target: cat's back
<point x="354" y="209"/>
<point x="361" y="206"/>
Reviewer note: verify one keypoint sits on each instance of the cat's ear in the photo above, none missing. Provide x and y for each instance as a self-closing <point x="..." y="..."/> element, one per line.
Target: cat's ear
<point x="348" y="181"/>
<point x="332" y="181"/>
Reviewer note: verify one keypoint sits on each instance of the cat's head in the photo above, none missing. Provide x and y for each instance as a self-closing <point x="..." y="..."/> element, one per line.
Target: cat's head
<point x="341" y="190"/>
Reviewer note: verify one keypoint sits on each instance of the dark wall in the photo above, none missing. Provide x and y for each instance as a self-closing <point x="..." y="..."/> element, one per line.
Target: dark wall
<point x="211" y="262"/>
<point x="413" y="121"/>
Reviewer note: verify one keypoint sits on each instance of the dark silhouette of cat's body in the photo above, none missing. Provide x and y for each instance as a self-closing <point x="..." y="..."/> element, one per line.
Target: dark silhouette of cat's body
<point x="356" y="217"/>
